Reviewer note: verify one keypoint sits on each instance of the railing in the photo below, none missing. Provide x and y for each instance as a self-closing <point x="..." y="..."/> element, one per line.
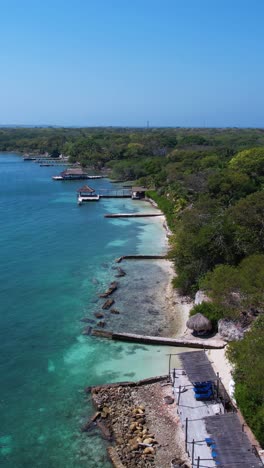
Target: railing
<point x="121" y="193"/>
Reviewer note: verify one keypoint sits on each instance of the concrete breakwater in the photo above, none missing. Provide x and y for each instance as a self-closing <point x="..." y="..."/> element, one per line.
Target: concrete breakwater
<point x="159" y="340"/>
<point x="141" y="257"/>
<point x="132" y="215"/>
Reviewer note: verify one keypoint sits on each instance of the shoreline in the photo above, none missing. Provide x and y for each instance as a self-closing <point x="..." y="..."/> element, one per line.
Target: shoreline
<point x="159" y="436"/>
<point x="178" y="307"/>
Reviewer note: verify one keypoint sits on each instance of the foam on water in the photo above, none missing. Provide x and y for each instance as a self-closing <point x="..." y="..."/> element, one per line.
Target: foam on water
<point x="117" y="243"/>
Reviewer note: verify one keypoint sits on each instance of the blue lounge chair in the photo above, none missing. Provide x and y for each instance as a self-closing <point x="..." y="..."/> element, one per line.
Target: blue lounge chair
<point x="203" y="396"/>
<point x="209" y="441"/>
<point x="214" y="454"/>
<point x="203" y="384"/>
<point x="202" y="390"/>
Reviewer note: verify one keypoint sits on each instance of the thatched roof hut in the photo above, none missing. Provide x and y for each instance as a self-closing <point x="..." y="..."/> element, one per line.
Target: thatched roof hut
<point x="73" y="171"/>
<point x="199" y="323"/>
<point x="85" y="189"/>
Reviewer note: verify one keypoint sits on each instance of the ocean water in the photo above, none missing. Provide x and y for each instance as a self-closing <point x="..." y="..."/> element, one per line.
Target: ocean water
<point x="56" y="257"/>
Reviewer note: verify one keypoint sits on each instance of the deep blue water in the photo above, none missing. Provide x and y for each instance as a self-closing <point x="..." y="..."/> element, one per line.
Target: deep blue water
<point x="55" y="259"/>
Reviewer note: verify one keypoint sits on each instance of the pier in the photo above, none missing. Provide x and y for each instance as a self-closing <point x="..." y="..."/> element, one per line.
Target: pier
<point x="51" y="162"/>
<point x="132" y="215"/>
<point x="141" y="257"/>
<point x="159" y="340"/>
<point x="121" y="193"/>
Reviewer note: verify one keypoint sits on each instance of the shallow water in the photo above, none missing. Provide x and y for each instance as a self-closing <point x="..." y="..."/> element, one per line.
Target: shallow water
<point x="55" y="259"/>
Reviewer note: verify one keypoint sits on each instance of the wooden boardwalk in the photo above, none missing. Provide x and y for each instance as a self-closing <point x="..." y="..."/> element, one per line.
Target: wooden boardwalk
<point x="121" y="193"/>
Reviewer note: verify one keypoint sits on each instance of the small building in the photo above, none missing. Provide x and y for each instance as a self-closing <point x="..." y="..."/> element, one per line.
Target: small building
<point x="85" y="194"/>
<point x="138" y="193"/>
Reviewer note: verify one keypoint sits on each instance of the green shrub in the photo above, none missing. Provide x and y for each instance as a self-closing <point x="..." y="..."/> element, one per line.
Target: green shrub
<point x="165" y="205"/>
<point x="247" y="357"/>
<point x="209" y="310"/>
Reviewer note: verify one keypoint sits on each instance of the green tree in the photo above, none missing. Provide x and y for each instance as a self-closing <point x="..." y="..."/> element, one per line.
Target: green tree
<point x="246" y="223"/>
<point x="247" y="358"/>
<point x="250" y="161"/>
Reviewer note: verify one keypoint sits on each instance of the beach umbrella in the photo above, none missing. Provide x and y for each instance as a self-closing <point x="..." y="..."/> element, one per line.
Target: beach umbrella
<point x="199" y="323"/>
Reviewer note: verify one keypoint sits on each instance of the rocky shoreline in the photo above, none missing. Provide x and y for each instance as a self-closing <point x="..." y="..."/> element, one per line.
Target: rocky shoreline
<point x="140" y="421"/>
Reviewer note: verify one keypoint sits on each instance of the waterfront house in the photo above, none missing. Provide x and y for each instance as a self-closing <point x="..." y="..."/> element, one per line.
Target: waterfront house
<point x="74" y="173"/>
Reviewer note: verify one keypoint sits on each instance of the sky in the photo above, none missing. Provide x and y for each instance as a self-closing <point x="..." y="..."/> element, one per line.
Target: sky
<point x="125" y="62"/>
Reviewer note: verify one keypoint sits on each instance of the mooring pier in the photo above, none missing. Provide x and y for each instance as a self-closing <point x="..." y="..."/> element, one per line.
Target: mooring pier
<point x="132" y="215"/>
<point x="159" y="340"/>
<point x="141" y="257"/>
<point x="121" y="193"/>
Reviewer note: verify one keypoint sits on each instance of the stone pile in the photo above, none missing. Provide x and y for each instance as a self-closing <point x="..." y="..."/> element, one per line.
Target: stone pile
<point x="126" y="420"/>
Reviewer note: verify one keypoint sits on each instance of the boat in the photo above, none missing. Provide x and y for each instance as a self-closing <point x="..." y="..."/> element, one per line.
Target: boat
<point x="86" y="194"/>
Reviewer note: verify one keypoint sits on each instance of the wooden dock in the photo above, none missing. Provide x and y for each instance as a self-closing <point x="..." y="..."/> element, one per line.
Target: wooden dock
<point x="121" y="193"/>
<point x="159" y="340"/>
<point x="132" y="215"/>
<point x="53" y="162"/>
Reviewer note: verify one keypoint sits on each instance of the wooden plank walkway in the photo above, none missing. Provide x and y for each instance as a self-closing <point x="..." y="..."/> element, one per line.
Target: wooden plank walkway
<point x="114" y="196"/>
<point x="121" y="193"/>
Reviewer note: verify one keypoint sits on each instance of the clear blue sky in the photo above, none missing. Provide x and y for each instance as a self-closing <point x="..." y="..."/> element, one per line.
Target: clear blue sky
<point x="123" y="62"/>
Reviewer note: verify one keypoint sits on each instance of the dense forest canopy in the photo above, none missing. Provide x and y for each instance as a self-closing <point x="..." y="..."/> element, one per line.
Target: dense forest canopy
<point x="210" y="184"/>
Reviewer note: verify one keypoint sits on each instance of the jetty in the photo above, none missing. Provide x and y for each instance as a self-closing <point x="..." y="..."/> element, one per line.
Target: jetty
<point x="48" y="161"/>
<point x="132" y="215"/>
<point x="136" y="193"/>
<point x="51" y="162"/>
<point x="120" y="193"/>
<point x="86" y="194"/>
<point x="75" y="173"/>
<point x="140" y="257"/>
<point x="160" y="340"/>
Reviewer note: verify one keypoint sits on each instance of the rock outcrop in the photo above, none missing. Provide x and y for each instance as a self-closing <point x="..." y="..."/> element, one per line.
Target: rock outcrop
<point x="229" y="330"/>
<point x="200" y="297"/>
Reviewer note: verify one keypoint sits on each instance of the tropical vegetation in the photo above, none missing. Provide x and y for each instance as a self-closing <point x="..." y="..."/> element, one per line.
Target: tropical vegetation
<point x="210" y="184"/>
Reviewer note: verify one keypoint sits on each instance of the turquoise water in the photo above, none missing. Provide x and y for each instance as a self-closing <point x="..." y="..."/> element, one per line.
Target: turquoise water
<point x="55" y="259"/>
